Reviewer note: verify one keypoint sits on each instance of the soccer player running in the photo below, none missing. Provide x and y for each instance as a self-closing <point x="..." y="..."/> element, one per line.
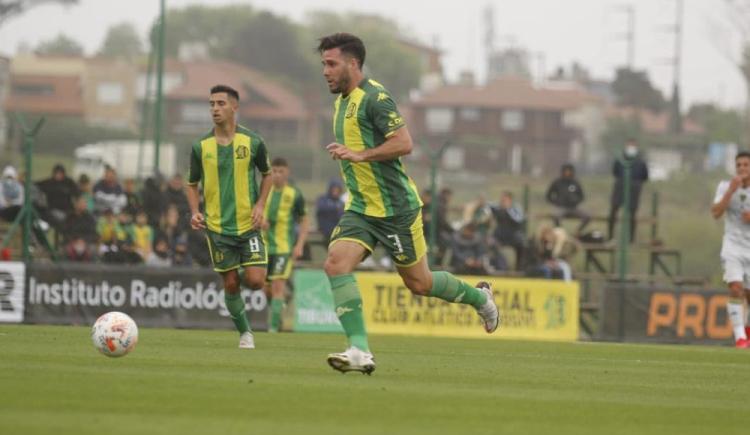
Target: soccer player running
<point x="732" y="200"/>
<point x="285" y="209"/>
<point x="224" y="162"/>
<point x="383" y="205"/>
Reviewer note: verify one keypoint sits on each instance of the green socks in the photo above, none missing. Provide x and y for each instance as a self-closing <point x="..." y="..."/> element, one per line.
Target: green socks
<point x="276" y="306"/>
<point x="449" y="288"/>
<point x="349" y="309"/>
<point x="236" y="307"/>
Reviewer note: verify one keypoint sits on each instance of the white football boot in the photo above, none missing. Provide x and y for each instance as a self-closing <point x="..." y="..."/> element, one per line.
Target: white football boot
<point x="352" y="360"/>
<point x="247" y="341"/>
<point x="489" y="311"/>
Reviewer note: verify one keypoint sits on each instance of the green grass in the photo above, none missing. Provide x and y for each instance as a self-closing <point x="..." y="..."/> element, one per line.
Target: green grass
<point x="196" y="382"/>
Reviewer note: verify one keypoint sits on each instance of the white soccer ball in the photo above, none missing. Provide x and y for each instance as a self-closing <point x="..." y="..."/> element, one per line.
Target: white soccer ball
<point x="114" y="334"/>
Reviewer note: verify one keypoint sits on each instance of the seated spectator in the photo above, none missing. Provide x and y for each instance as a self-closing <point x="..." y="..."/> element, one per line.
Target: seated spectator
<point x="552" y="250"/>
<point x="109" y="229"/>
<point x="133" y="202"/>
<point x="175" y="195"/>
<point x="11" y="194"/>
<point x="328" y="209"/>
<point x="84" y="189"/>
<point x="467" y="252"/>
<point x="510" y="227"/>
<point x="154" y="201"/>
<point x="59" y="191"/>
<point x="159" y="256"/>
<point x="108" y="193"/>
<point x="171" y="229"/>
<point x="566" y="194"/>
<point x="142" y="235"/>
<point x="180" y="252"/>
<point x="122" y="253"/>
<point x="80" y="225"/>
<point x="198" y="248"/>
<point x="479" y="213"/>
<point x="78" y="250"/>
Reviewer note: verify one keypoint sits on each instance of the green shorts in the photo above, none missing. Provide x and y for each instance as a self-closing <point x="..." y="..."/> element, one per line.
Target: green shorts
<point x="279" y="266"/>
<point x="402" y="235"/>
<point x="231" y="252"/>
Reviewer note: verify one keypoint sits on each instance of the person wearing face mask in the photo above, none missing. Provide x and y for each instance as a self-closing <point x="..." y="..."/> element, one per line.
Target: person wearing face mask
<point x="638" y="176"/>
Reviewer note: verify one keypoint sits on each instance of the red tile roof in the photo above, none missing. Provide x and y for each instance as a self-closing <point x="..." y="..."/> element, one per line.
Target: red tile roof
<point x="515" y="93"/>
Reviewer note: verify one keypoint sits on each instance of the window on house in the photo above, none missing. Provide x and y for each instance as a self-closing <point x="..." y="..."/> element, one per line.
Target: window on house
<point x="511" y="120"/>
<point x="439" y="120"/>
<point x="110" y="93"/>
<point x="470" y="114"/>
<point x="33" y="89"/>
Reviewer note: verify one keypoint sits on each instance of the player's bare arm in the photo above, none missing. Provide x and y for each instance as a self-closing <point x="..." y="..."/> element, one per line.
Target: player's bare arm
<point x="197" y="221"/>
<point x="304" y="229"/>
<point x="399" y="144"/>
<point x="260" y="205"/>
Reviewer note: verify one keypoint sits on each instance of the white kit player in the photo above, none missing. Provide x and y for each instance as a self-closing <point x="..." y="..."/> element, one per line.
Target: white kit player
<point x="732" y="200"/>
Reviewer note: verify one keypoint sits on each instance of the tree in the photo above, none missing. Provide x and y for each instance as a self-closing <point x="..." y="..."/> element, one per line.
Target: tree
<point x="618" y="131"/>
<point x="387" y="60"/>
<point x="122" y="41"/>
<point x="633" y="88"/>
<point x="60" y="46"/>
<point x="722" y="125"/>
<point x="12" y="8"/>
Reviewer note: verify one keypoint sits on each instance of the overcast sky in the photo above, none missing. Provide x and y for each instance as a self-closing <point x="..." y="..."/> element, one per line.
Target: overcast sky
<point x="587" y="31"/>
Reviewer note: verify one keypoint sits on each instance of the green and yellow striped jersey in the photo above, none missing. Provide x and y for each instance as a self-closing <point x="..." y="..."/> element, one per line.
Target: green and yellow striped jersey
<point x="284" y="207"/>
<point x="365" y="119"/>
<point x="227" y="173"/>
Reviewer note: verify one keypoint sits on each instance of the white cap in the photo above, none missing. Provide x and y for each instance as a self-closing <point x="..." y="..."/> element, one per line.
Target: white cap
<point x="10" y="172"/>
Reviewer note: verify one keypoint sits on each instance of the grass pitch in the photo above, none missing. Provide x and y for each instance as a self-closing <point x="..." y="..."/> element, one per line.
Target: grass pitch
<point x="197" y="382"/>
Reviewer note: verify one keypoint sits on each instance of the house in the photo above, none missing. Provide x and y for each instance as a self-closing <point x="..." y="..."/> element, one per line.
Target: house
<point x="508" y="124"/>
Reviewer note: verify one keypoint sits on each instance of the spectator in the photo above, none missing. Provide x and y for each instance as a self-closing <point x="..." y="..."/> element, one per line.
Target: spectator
<point x="133" y="202"/>
<point x="80" y="223"/>
<point x="566" y="194"/>
<point x="78" y="250"/>
<point x="122" y="253"/>
<point x="84" y="189"/>
<point x="171" y="229"/>
<point x="552" y="249"/>
<point x="197" y="247"/>
<point x="109" y="229"/>
<point x="108" y="193"/>
<point x="329" y="208"/>
<point x="468" y="251"/>
<point x="510" y="227"/>
<point x="11" y="194"/>
<point x="154" y="202"/>
<point x="59" y="191"/>
<point x="444" y="228"/>
<point x="479" y="213"/>
<point x="181" y="252"/>
<point x="175" y="195"/>
<point x="159" y="257"/>
<point x="142" y="235"/>
<point x="638" y="176"/>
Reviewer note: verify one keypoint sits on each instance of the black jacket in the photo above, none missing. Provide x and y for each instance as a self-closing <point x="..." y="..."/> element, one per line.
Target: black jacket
<point x="59" y="194"/>
<point x="565" y="192"/>
<point x="638" y="176"/>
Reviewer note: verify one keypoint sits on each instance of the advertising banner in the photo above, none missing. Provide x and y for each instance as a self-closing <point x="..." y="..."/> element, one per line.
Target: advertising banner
<point x="171" y="297"/>
<point x="12" y="275"/>
<point x="531" y="309"/>
<point x="313" y="302"/>
<point x="665" y="315"/>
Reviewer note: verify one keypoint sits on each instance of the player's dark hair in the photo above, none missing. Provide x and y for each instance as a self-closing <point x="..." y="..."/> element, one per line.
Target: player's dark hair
<point x="226" y="89"/>
<point x="507" y="193"/>
<point x="347" y="43"/>
<point x="280" y="161"/>
<point x="742" y="154"/>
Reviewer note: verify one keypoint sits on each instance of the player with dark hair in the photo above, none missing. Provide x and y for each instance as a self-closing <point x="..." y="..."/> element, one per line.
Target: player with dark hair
<point x="286" y="227"/>
<point x="224" y="162"/>
<point x="383" y="205"/>
<point x="732" y="200"/>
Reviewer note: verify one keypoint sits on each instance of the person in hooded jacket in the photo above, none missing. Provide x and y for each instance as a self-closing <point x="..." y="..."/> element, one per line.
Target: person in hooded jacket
<point x="566" y="194"/>
<point x="329" y="208"/>
<point x="638" y="176"/>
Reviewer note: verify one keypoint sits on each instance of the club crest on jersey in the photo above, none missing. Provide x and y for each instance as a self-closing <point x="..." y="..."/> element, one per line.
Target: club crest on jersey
<point x="241" y="152"/>
<point x="351" y="109"/>
<point x="218" y="257"/>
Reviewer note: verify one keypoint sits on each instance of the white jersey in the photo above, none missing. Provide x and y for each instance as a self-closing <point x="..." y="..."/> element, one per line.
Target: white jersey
<point x="736" y="240"/>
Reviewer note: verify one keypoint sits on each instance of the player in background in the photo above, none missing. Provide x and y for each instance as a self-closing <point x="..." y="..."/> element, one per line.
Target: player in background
<point x="224" y="162"/>
<point x="383" y="205"/>
<point x="284" y="216"/>
<point x="732" y="201"/>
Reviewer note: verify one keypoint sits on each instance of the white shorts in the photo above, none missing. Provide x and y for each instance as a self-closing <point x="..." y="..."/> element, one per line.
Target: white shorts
<point x="736" y="269"/>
